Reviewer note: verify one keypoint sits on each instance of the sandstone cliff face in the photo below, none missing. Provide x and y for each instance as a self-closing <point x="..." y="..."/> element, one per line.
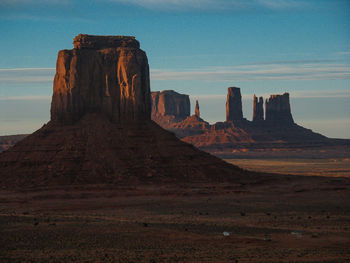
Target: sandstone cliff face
<point x="278" y="111"/>
<point x="169" y="102"/>
<point x="234" y="105"/>
<point x="102" y="74"/>
<point x="258" y="110"/>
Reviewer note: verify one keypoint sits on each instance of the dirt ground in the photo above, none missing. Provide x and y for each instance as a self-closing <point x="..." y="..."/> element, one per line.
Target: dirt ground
<point x="333" y="167"/>
<point x="305" y="220"/>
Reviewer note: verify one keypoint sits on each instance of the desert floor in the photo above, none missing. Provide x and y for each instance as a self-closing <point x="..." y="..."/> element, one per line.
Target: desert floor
<point x="304" y="220"/>
<point x="332" y="167"/>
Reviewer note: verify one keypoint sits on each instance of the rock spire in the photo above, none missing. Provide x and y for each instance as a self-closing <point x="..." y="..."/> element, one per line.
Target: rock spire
<point x="196" y="110"/>
<point x="234" y="104"/>
<point x="258" y="109"/>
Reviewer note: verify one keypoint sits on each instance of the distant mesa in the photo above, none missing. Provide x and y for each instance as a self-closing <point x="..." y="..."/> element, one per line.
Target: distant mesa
<point x="278" y="109"/>
<point x="101" y="131"/>
<point x="171" y="103"/>
<point x="276" y="130"/>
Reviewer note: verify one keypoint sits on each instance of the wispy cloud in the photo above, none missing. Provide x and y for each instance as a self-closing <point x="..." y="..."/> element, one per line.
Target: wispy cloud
<point x="265" y="71"/>
<point x="303" y="70"/>
<point x="26" y="98"/>
<point x="215" y="5"/>
<point x="11" y="3"/>
<point x="299" y="94"/>
<point x="23" y="75"/>
<point x="343" y="53"/>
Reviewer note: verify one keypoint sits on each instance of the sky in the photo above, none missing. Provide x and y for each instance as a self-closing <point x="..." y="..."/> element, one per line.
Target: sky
<point x="196" y="47"/>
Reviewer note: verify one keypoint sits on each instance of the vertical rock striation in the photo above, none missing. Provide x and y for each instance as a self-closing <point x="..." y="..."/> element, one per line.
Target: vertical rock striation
<point x="258" y="109"/>
<point x="234" y="105"/>
<point x="196" y="110"/>
<point x="102" y="74"/>
<point x="278" y="111"/>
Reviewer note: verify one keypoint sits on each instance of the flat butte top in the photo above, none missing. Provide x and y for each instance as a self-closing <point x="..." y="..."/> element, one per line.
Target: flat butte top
<point x="100" y="42"/>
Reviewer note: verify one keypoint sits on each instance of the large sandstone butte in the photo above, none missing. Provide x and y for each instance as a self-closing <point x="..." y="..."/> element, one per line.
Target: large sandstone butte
<point x="107" y="75"/>
<point x="100" y="130"/>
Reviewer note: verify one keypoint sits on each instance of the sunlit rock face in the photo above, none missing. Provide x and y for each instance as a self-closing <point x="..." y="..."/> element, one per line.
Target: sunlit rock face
<point x="278" y="111"/>
<point x="102" y="74"/>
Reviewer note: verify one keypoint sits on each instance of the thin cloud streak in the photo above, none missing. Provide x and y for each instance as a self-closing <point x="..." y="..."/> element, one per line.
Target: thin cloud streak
<point x="215" y="5"/>
<point x="11" y="3"/>
<point x="307" y="71"/>
<point x="26" y="75"/>
<point x="304" y="94"/>
<point x="26" y="98"/>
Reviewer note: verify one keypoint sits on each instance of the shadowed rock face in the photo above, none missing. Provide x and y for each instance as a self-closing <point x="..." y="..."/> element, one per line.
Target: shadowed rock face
<point x="169" y="102"/>
<point x="258" y="110"/>
<point x="102" y="74"/>
<point x="278" y="110"/>
<point x="234" y="105"/>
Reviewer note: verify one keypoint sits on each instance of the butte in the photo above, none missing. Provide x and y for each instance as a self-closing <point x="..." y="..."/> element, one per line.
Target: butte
<point x="101" y="132"/>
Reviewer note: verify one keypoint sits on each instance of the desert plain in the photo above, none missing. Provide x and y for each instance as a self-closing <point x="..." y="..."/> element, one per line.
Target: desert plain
<point x="299" y="219"/>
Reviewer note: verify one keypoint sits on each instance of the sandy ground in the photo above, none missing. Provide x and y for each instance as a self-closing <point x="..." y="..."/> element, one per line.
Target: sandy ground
<point x="293" y="221"/>
<point x="333" y="167"/>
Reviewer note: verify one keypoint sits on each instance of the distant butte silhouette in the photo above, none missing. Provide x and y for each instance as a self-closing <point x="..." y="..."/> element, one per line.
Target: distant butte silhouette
<point x="101" y="130"/>
<point x="276" y="130"/>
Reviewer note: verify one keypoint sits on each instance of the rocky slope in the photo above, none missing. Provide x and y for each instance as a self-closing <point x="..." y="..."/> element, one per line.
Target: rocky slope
<point x="101" y="131"/>
<point x="9" y="140"/>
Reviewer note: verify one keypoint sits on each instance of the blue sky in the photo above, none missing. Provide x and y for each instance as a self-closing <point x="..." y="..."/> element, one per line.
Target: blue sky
<point x="194" y="47"/>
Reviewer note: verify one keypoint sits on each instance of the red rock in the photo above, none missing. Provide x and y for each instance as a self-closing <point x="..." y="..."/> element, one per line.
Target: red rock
<point x="169" y="102"/>
<point x="234" y="105"/>
<point x="196" y="111"/>
<point x="107" y="74"/>
<point x="258" y="110"/>
<point x="278" y="111"/>
<point x="100" y="130"/>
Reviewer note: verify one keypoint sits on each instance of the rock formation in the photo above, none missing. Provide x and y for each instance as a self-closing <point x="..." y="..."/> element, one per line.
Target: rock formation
<point x="258" y="110"/>
<point x="108" y="75"/>
<point x="234" y="105"/>
<point x="196" y="110"/>
<point x="169" y="102"/>
<point x="277" y="131"/>
<point x="100" y="130"/>
<point x="278" y="111"/>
